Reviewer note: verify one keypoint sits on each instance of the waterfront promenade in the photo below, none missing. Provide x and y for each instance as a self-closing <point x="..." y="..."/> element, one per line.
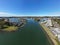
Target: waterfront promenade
<point x="50" y="34"/>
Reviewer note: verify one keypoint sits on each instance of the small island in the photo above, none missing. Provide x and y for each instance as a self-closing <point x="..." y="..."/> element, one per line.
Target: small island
<point x="11" y="24"/>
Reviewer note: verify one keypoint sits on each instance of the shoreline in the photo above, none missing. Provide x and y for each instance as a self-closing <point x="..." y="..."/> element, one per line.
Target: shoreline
<point x="47" y="36"/>
<point x="14" y="30"/>
<point x="49" y="33"/>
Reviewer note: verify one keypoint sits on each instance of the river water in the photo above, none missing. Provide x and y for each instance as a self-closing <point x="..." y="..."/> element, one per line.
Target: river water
<point x="30" y="34"/>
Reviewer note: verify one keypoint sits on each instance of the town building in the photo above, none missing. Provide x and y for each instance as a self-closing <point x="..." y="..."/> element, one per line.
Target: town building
<point x="49" y="22"/>
<point x="56" y="32"/>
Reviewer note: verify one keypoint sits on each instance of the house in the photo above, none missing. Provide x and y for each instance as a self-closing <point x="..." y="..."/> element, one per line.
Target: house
<point x="43" y="20"/>
<point x="56" y="32"/>
<point x="59" y="37"/>
<point x="49" y="22"/>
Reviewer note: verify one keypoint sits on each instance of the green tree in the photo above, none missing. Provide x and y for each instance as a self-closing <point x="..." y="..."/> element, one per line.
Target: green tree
<point x="2" y="22"/>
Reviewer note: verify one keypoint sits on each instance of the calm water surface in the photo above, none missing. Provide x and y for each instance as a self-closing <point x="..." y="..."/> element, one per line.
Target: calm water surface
<point x="30" y="34"/>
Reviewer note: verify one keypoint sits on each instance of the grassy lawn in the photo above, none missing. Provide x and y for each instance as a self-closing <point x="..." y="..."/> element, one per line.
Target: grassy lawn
<point x="58" y="41"/>
<point x="11" y="28"/>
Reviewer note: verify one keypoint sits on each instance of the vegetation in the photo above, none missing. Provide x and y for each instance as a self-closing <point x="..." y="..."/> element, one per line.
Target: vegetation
<point x="37" y="19"/>
<point x="57" y="20"/>
<point x="11" y="28"/>
<point x="2" y="22"/>
<point x="5" y="25"/>
<point x="58" y="42"/>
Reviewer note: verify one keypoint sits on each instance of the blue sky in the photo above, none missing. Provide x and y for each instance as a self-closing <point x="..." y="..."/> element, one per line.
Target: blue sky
<point x="30" y="7"/>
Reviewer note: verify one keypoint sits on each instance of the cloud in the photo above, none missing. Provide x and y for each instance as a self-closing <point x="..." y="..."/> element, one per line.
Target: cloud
<point x="5" y="14"/>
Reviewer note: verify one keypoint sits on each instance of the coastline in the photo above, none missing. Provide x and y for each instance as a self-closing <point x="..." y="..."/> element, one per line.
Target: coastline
<point x="49" y="33"/>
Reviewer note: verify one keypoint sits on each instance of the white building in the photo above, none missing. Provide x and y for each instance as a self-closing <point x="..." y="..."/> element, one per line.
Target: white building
<point x="59" y="37"/>
<point x="43" y="20"/>
<point x="56" y="32"/>
<point x="49" y="22"/>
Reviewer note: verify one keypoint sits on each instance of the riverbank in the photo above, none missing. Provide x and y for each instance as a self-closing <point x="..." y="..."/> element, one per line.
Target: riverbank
<point x="53" y="38"/>
<point x="12" y="28"/>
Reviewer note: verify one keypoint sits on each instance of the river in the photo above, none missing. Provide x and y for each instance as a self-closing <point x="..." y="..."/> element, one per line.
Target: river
<point x="30" y="34"/>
